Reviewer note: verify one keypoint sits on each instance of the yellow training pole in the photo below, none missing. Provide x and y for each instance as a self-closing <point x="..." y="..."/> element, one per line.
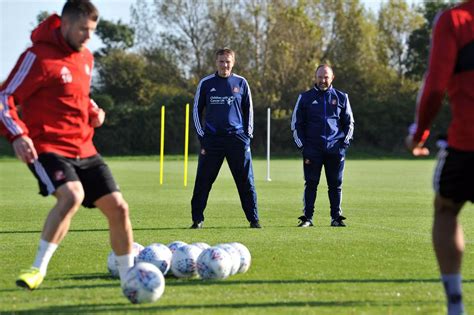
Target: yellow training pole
<point x="186" y="144"/>
<point x="162" y="143"/>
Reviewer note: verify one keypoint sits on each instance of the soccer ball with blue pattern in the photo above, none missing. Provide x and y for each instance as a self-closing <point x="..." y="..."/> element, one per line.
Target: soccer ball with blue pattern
<point x="173" y="246"/>
<point x="144" y="283"/>
<point x="112" y="265"/>
<point x="183" y="261"/>
<point x="214" y="263"/>
<point x="158" y="255"/>
<point x="245" y="257"/>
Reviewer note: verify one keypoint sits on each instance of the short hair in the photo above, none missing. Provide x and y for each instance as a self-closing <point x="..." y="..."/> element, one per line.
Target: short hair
<point x="322" y="66"/>
<point x="75" y="9"/>
<point x="225" y="51"/>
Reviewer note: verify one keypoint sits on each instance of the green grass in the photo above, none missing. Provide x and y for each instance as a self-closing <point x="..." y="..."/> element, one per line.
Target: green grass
<point x="382" y="263"/>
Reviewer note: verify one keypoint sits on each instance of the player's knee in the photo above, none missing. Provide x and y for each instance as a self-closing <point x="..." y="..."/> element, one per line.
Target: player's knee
<point x="445" y="206"/>
<point x="70" y="196"/>
<point x="121" y="211"/>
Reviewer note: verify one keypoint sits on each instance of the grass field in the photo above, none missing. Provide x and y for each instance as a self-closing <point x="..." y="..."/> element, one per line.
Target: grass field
<point x="382" y="263"/>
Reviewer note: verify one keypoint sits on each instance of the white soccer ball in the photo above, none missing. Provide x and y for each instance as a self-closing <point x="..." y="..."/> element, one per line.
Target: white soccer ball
<point x="214" y="263"/>
<point x="201" y="245"/>
<point x="112" y="265"/>
<point x="158" y="255"/>
<point x="144" y="283"/>
<point x="173" y="246"/>
<point x="234" y="255"/>
<point x="245" y="257"/>
<point x="183" y="261"/>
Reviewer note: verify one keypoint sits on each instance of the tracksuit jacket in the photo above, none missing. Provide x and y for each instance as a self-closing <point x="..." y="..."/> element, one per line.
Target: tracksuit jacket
<point x="322" y="122"/>
<point x="451" y="69"/>
<point x="228" y="106"/>
<point x="51" y="84"/>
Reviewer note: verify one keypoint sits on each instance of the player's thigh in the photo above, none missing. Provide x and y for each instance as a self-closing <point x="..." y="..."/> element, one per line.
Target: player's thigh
<point x="454" y="175"/>
<point x="312" y="167"/>
<point x="53" y="171"/>
<point x="97" y="180"/>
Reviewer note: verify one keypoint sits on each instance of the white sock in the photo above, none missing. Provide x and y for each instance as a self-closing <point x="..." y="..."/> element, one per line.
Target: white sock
<point x="43" y="255"/>
<point x="124" y="263"/>
<point x="452" y="286"/>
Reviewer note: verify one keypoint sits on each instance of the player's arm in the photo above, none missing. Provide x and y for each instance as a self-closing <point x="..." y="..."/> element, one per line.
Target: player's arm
<point x="96" y="114"/>
<point x="247" y="108"/>
<point x="347" y="122"/>
<point x="24" y="80"/>
<point x="198" y="109"/>
<point x="297" y="124"/>
<point x="440" y="69"/>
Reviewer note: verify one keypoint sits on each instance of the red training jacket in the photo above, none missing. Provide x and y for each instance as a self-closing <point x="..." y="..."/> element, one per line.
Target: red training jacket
<point x="451" y="69"/>
<point x="50" y="83"/>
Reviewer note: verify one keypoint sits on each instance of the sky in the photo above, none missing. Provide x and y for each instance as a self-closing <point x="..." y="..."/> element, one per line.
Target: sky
<point x="18" y="18"/>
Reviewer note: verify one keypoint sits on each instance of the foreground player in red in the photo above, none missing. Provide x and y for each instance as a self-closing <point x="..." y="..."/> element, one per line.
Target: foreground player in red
<point x="451" y="70"/>
<point x="51" y="83"/>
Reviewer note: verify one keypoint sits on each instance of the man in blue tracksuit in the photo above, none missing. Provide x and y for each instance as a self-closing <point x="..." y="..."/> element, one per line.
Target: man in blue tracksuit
<point x="322" y="126"/>
<point x="225" y="132"/>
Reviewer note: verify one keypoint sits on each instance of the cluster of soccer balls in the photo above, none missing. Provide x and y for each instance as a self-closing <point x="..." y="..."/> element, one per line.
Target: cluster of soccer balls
<point x="145" y="281"/>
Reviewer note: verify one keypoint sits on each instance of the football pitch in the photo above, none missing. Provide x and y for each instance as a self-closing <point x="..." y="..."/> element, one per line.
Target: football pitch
<point x="382" y="263"/>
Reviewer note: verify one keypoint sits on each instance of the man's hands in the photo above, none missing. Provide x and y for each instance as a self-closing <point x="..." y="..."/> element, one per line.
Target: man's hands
<point x="24" y="149"/>
<point x="417" y="149"/>
<point x="98" y="119"/>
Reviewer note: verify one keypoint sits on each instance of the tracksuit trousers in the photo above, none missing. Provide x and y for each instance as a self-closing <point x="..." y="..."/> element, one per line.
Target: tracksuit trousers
<point x="334" y="168"/>
<point x="235" y="148"/>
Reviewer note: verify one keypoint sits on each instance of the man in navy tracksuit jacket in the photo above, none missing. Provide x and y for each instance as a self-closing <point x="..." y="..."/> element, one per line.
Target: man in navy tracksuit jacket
<point x="322" y="126"/>
<point x="225" y="132"/>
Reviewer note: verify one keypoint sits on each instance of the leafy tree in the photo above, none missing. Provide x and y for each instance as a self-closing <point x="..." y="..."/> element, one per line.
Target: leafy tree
<point x="123" y="76"/>
<point x="396" y="21"/>
<point x="114" y="35"/>
<point x="419" y="40"/>
<point x="43" y="15"/>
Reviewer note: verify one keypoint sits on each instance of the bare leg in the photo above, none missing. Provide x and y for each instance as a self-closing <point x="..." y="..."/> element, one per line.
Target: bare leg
<point x="448" y="240"/>
<point x="121" y="236"/>
<point x="69" y="198"/>
<point x="115" y="209"/>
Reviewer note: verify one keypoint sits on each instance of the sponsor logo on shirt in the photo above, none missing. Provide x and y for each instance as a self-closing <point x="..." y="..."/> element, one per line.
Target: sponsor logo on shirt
<point x="66" y="75"/>
<point x="221" y="100"/>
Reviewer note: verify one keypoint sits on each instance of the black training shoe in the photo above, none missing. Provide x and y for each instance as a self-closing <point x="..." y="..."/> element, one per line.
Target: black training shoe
<point x="255" y="225"/>
<point x="338" y="222"/>
<point x="305" y="222"/>
<point x="197" y="225"/>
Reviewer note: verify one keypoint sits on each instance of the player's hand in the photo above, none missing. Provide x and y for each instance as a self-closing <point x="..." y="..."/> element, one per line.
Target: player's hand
<point x="416" y="148"/>
<point x="24" y="149"/>
<point x="97" y="120"/>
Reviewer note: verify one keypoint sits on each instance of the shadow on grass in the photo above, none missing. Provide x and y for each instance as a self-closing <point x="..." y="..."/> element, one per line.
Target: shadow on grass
<point x="174" y="282"/>
<point x="224" y="227"/>
<point x="126" y="307"/>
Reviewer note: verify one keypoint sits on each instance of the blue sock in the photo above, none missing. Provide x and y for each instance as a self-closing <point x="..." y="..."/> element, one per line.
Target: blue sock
<point x="452" y="287"/>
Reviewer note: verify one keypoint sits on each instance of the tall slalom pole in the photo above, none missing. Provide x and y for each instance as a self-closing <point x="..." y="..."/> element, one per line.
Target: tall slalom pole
<point x="268" y="144"/>
<point x="162" y="143"/>
<point x="186" y="145"/>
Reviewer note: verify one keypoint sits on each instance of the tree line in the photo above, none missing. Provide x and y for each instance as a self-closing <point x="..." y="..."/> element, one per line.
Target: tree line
<point x="159" y="57"/>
